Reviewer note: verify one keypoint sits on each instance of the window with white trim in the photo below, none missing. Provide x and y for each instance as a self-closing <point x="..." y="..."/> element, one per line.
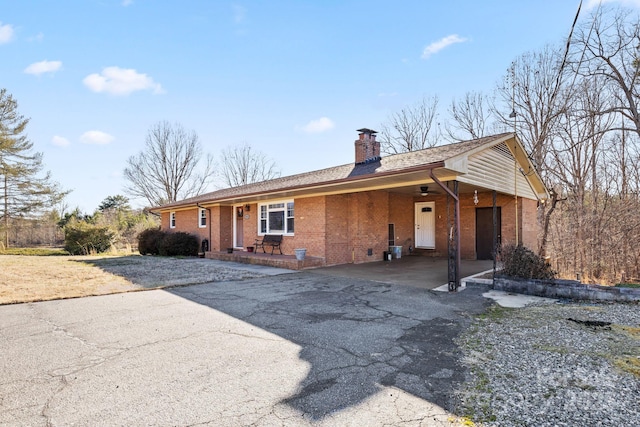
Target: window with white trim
<point x="172" y="220"/>
<point x="276" y="218"/>
<point x="202" y="217"/>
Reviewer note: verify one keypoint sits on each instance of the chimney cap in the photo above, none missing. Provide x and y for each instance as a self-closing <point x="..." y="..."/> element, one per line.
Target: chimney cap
<point x="365" y="130"/>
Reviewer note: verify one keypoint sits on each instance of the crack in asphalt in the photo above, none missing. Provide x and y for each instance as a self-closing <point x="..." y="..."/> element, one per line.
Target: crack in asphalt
<point x="352" y="343"/>
<point x="47" y="404"/>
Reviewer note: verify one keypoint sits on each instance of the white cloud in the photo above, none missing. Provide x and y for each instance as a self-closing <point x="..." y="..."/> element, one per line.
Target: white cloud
<point x="60" y="141"/>
<point x="6" y="33"/>
<point x="120" y="81"/>
<point x="322" y="124"/>
<point x="126" y="3"/>
<point x="96" y="137"/>
<point x="42" y="67"/>
<point x="629" y="3"/>
<point x="444" y="42"/>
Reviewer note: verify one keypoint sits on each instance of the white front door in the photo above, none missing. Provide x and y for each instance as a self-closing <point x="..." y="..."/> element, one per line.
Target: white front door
<point x="425" y="225"/>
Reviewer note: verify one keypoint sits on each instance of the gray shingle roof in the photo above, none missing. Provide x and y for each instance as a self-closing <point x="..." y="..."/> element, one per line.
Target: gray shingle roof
<point x="386" y="165"/>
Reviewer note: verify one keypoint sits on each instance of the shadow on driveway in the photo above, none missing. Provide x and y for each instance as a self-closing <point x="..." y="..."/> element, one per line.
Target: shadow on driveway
<point x="356" y="335"/>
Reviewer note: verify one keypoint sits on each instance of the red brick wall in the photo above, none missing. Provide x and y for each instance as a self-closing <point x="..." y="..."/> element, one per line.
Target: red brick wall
<point x="223" y="227"/>
<point x="529" y="224"/>
<point x="164" y="221"/>
<point x="307" y="224"/>
<point x="250" y="225"/>
<point x="527" y="221"/>
<point x="401" y="213"/>
<point x="468" y="219"/>
<point x="341" y="228"/>
<point x="310" y="227"/>
<point x="356" y="223"/>
<point x="187" y="222"/>
<point x="508" y="235"/>
<point x="369" y="225"/>
<point x="528" y="228"/>
<point x="337" y="213"/>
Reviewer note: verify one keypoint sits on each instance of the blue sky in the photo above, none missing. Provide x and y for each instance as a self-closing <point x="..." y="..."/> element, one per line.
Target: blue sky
<point x="294" y="79"/>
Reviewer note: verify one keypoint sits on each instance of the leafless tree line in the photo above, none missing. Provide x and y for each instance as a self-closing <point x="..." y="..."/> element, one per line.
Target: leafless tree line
<point x="575" y="107"/>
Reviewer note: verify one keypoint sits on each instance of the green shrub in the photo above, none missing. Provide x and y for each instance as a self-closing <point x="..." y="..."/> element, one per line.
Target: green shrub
<point x="81" y="238"/>
<point x="179" y="244"/>
<point x="521" y="262"/>
<point x="158" y="242"/>
<point x="149" y="241"/>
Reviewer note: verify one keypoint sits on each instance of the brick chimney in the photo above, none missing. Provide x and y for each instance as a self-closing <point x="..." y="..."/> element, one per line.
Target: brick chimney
<point x="367" y="148"/>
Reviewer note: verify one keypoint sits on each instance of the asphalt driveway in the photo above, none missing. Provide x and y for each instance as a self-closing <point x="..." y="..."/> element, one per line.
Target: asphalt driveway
<point x="293" y="349"/>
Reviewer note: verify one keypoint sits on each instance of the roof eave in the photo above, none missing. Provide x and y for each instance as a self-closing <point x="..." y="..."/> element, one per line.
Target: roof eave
<point x="320" y="187"/>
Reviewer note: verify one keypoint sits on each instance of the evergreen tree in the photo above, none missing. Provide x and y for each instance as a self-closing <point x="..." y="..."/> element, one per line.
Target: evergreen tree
<point x="24" y="191"/>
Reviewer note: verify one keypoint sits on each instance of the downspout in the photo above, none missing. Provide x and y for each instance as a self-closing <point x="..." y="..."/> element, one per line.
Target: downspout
<point x="457" y="226"/>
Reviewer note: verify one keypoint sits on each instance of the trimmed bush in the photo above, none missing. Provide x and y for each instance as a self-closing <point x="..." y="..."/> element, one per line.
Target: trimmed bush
<point x="158" y="242"/>
<point x="81" y="238"/>
<point x="149" y="241"/>
<point x="179" y="244"/>
<point x="521" y="262"/>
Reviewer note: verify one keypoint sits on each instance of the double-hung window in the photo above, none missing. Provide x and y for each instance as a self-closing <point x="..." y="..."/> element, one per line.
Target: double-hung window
<point x="202" y="217"/>
<point x="277" y="218"/>
<point x="172" y="220"/>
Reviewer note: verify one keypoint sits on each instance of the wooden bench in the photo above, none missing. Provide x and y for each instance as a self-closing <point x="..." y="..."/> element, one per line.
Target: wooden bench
<point x="273" y="240"/>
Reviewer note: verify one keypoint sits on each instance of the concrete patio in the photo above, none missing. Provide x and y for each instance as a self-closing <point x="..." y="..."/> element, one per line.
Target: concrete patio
<point x="413" y="270"/>
<point x="416" y="271"/>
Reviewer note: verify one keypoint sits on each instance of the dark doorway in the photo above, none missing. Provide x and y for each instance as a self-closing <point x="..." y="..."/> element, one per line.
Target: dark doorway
<point x="484" y="232"/>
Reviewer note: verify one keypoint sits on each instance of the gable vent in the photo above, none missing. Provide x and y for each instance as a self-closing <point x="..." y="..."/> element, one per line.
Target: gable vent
<point x="503" y="150"/>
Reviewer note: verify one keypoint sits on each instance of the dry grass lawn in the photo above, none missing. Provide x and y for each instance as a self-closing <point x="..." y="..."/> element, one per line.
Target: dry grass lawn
<point x="41" y="278"/>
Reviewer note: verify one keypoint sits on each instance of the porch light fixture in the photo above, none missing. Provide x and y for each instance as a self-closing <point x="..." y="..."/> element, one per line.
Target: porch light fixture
<point x="424" y="190"/>
<point x="475" y="197"/>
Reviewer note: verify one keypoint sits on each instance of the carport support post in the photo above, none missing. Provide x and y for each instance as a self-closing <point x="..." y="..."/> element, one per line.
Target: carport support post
<point x="495" y="234"/>
<point x="454" y="273"/>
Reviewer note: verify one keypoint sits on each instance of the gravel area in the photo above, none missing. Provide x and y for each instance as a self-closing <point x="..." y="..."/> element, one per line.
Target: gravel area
<point x="534" y="367"/>
<point x="153" y="272"/>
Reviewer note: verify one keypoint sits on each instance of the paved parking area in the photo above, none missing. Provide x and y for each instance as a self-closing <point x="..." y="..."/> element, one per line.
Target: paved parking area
<point x="418" y="271"/>
<point x="292" y="349"/>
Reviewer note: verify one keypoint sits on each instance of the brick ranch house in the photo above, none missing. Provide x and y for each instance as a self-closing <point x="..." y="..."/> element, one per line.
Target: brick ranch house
<point x="354" y="212"/>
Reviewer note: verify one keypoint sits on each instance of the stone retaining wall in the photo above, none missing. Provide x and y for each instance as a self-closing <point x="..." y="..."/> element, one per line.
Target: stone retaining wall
<point x="565" y="289"/>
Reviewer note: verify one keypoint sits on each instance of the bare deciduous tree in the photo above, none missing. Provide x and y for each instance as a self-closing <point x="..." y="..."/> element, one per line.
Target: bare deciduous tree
<point x="470" y="116"/>
<point x="242" y="165"/>
<point x="410" y="129"/>
<point x="577" y="162"/>
<point x="607" y="47"/>
<point x="169" y="168"/>
<point x="532" y="90"/>
<point x="532" y="101"/>
<point x="594" y="154"/>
